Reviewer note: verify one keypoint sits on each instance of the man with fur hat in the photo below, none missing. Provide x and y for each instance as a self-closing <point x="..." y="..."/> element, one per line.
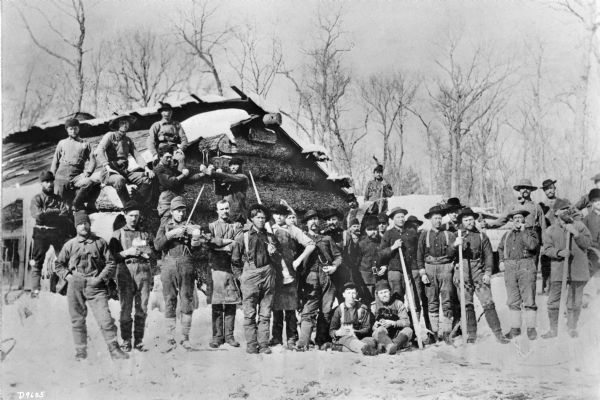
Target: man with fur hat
<point x="317" y="289"/>
<point x="86" y="263"/>
<point x="377" y="191"/>
<point x="556" y="247"/>
<point x="351" y="325"/>
<point x="73" y="179"/>
<point x="285" y="302"/>
<point x="478" y="259"/>
<point x="517" y="251"/>
<point x="169" y="132"/>
<point x="392" y="329"/>
<point x="369" y="269"/>
<point x="133" y="251"/>
<point x="225" y="294"/>
<point x="113" y="152"/>
<point x="254" y="260"/>
<point x="232" y="186"/>
<point x="435" y="255"/>
<point x="51" y="216"/>
<point x="177" y="240"/>
<point x="585" y="202"/>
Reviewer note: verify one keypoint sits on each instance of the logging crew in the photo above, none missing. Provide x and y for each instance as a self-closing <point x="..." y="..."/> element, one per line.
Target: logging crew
<point x="225" y="294"/>
<point x="435" y="255"/>
<point x="86" y="263"/>
<point x="177" y="239"/>
<point x="517" y="251"/>
<point x="232" y="186"/>
<point x="73" y="178"/>
<point x="133" y="251"/>
<point x="556" y="247"/>
<point x="254" y="261"/>
<point x="51" y="216"/>
<point x="478" y="260"/>
<point x="585" y="201"/>
<point x="114" y="149"/>
<point x="169" y="132"/>
<point x="369" y="269"/>
<point x="392" y="328"/>
<point x="315" y="285"/>
<point x="378" y="191"/>
<point x="285" y="301"/>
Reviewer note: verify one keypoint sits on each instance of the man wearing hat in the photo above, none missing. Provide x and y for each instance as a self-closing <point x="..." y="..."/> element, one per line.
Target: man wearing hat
<point x="133" y="251"/>
<point x="382" y="226"/>
<point x="170" y="133"/>
<point x="391" y="329"/>
<point x="177" y="240"/>
<point x="317" y="289"/>
<point x="369" y="269"/>
<point x="517" y="252"/>
<point x="453" y="206"/>
<point x="232" y="186"/>
<point x="399" y="238"/>
<point x="225" y="294"/>
<point x="592" y="221"/>
<point x="113" y="152"/>
<point x="254" y="260"/>
<point x="285" y="302"/>
<point x="585" y="201"/>
<point x="478" y="259"/>
<point x="73" y="179"/>
<point x="435" y="253"/>
<point x="377" y="191"/>
<point x="346" y="246"/>
<point x="87" y="264"/>
<point x="351" y="325"/>
<point x="412" y="223"/>
<point x="352" y="211"/>
<point x="51" y="216"/>
<point x="535" y="214"/>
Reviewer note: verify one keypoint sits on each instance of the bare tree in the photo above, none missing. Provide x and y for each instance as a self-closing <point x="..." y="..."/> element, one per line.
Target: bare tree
<point x="195" y="31"/>
<point x="74" y="10"/>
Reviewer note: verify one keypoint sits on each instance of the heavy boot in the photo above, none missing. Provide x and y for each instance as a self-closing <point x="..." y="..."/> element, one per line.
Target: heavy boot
<point x="186" y="325"/>
<point x="171" y="343"/>
<point x="126" y="346"/>
<point x="369" y="350"/>
<point x="471" y="325"/>
<point x="553" y="319"/>
<point x="400" y="341"/>
<point x="139" y="345"/>
<point x="229" y="319"/>
<point x="491" y="316"/>
<point x="513" y="333"/>
<point x="217" y="326"/>
<point x="446" y="327"/>
<point x="115" y="351"/>
<point x="80" y="353"/>
<point x="515" y="324"/>
<point x="305" y="331"/>
<point x="530" y="322"/>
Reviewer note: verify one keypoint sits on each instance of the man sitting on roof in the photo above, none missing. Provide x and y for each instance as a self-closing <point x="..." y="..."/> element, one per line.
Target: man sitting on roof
<point x="168" y="131"/>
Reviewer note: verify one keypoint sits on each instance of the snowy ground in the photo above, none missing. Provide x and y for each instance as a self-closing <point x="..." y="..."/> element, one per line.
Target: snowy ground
<point x="42" y="361"/>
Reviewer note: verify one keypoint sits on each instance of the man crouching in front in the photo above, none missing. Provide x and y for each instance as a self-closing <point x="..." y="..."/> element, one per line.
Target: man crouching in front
<point x="391" y="329"/>
<point x="351" y="325"/>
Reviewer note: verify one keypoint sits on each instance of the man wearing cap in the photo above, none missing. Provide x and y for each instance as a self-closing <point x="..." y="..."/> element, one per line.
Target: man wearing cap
<point x="225" y="294"/>
<point x="51" y="216"/>
<point x="592" y="222"/>
<point x="133" y="250"/>
<point x="351" y="325"/>
<point x="377" y="191"/>
<point x="435" y="253"/>
<point x="517" y="252"/>
<point x="351" y="250"/>
<point x="585" y="201"/>
<point x="177" y="240"/>
<point x="113" y="152"/>
<point x="382" y="226"/>
<point x="369" y="269"/>
<point x="353" y="209"/>
<point x="333" y="219"/>
<point x="555" y="246"/>
<point x="316" y="286"/>
<point x="232" y="186"/>
<point x="254" y="260"/>
<point x="73" y="183"/>
<point x="86" y="263"/>
<point x="391" y="329"/>
<point x="285" y="302"/>
<point x="169" y="132"/>
<point x="478" y="259"/>
<point x="394" y="239"/>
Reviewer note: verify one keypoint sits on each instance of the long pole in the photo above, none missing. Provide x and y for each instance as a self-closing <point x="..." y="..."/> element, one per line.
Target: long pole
<point x="411" y="301"/>
<point x="195" y="204"/>
<point x="463" y="306"/>
<point x="563" y="288"/>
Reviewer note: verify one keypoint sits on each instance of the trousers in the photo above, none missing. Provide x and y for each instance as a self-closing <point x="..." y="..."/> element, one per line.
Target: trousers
<point x="133" y="282"/>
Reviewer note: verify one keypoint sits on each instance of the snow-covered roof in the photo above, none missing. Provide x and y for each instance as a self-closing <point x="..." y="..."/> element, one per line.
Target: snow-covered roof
<point x="213" y="123"/>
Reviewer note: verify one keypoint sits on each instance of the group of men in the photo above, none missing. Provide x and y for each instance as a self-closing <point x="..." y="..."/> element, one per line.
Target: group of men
<point x="261" y="259"/>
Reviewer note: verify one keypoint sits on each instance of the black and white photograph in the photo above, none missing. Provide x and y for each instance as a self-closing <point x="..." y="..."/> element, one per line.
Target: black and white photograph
<point x="290" y="200"/>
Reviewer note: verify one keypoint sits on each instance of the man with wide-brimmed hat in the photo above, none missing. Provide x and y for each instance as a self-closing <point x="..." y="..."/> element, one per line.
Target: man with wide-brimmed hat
<point x="254" y="259"/>
<point x="478" y="259"/>
<point x="232" y="186"/>
<point x="178" y="240"/>
<point x="73" y="178"/>
<point x="378" y="191"/>
<point x="316" y="286"/>
<point x="168" y="132"/>
<point x="584" y="202"/>
<point x="369" y="270"/>
<point x="517" y="251"/>
<point x="453" y="207"/>
<point x="435" y="253"/>
<point x="392" y="328"/>
<point x="51" y="216"/>
<point x="555" y="246"/>
<point x="333" y="219"/>
<point x="535" y="216"/>
<point x="133" y="250"/>
<point x="87" y="264"/>
<point x="113" y="152"/>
